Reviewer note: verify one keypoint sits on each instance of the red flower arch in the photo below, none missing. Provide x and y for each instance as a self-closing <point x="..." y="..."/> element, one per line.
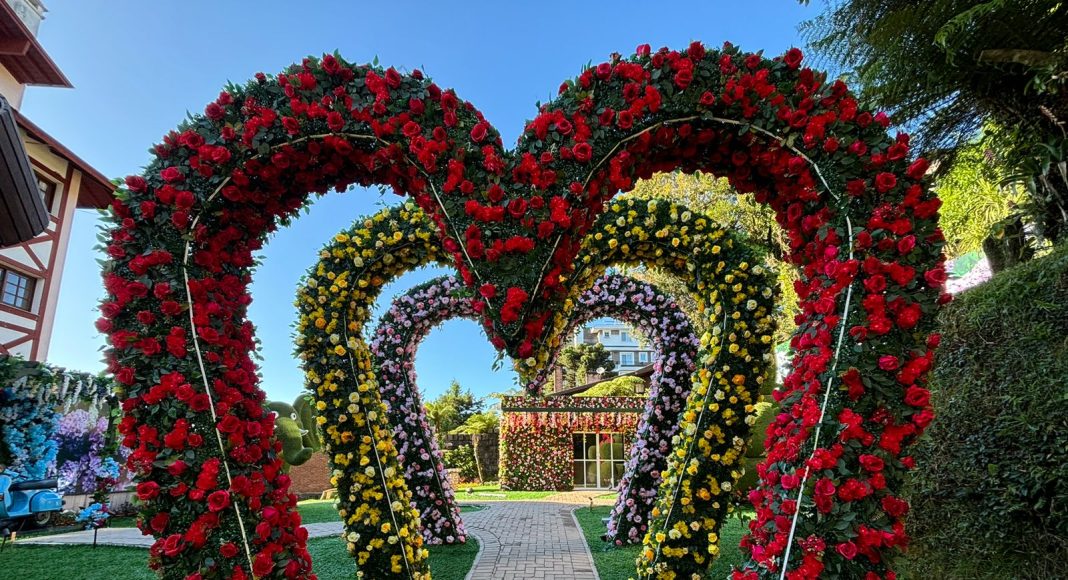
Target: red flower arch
<point x="862" y="227"/>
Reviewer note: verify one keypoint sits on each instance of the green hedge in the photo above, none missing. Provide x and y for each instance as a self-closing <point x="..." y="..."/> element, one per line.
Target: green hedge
<point x="990" y="495"/>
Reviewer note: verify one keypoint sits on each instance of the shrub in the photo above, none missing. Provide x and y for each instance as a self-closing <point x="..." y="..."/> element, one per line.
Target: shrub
<point x="462" y="458"/>
<point x="990" y="495"/>
<point x="624" y="386"/>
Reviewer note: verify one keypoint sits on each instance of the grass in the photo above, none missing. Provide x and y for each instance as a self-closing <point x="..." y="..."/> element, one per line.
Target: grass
<point x="493" y="492"/>
<point x="617" y="563"/>
<point x="332" y="562"/>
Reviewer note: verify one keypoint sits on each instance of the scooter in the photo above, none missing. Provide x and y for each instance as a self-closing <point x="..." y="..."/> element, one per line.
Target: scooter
<point x="35" y="500"/>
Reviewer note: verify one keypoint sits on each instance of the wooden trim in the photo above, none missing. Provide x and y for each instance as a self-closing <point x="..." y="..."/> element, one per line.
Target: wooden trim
<point x="16" y="327"/>
<point x="7" y="346"/>
<point x="47" y="171"/>
<point x="22" y="268"/>
<point x="14" y="47"/>
<point x="50" y="271"/>
<point x="20" y="312"/>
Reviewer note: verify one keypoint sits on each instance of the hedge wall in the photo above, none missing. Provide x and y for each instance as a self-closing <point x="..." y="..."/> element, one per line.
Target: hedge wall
<point x="990" y="495"/>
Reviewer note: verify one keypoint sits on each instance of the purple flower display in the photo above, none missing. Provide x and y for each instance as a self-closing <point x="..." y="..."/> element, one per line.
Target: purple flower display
<point x="651" y="312"/>
<point x="410" y="318"/>
<point x="658" y="317"/>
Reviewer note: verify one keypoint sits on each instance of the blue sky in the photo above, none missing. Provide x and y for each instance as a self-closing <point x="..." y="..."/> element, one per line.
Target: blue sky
<point x="138" y="67"/>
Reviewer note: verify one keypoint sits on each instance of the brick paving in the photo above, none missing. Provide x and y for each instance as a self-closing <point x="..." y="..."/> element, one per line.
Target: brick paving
<point x="520" y="540"/>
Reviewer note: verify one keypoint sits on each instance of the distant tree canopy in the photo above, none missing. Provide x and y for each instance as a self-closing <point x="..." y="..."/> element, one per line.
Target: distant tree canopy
<point x="487" y="422"/>
<point x="624" y="386"/>
<point x="945" y="68"/>
<point x="973" y="202"/>
<point x="580" y="359"/>
<point x="453" y="408"/>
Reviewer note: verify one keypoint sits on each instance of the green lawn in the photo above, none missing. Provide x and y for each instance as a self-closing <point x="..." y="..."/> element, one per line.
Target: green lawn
<point x="617" y="563"/>
<point x="493" y="492"/>
<point x="332" y="562"/>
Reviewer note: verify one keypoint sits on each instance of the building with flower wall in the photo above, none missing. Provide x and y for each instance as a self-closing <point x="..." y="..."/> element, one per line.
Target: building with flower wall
<point x="562" y="443"/>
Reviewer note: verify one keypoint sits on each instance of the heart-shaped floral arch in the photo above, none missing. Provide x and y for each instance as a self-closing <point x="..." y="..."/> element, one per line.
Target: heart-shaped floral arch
<point x="412" y="316"/>
<point x="862" y="229"/>
<point x="720" y="272"/>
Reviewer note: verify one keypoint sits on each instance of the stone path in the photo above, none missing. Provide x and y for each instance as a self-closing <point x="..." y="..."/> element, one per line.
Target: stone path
<point x="527" y="540"/>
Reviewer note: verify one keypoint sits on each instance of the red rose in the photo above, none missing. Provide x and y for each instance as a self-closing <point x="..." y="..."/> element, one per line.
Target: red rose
<point x="906" y="244"/>
<point x="847" y="550"/>
<point x="917" y="396"/>
<point x="624" y="120"/>
<point x="707" y="99"/>
<point x="292" y="126"/>
<point x="793" y="58"/>
<point x="228" y="550"/>
<point x="889" y="362"/>
<point x="683" y="78"/>
<point x="478" y="132"/>
<point x="262" y="564"/>
<point x="871" y="463"/>
<point x="583" y="152"/>
<point x="935" y="277"/>
<point x="171" y="174"/>
<point x="173" y="545"/>
<point x="790" y="481"/>
<point x="180" y="219"/>
<point x="158" y="523"/>
<point x="895" y="507"/>
<point x="218" y="500"/>
<point x="125" y="376"/>
<point x="147" y="490"/>
<point x="148" y="209"/>
<point x="136" y="183"/>
<point x="918" y="169"/>
<point x="885" y="181"/>
<point x="334" y="121"/>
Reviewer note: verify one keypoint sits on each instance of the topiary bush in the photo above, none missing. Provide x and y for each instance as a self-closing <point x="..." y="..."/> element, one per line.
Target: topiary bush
<point x="990" y="495"/>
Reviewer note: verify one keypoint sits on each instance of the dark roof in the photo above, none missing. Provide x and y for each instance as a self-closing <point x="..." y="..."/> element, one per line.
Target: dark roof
<point x="97" y="191"/>
<point x="643" y="373"/>
<point x="22" y="210"/>
<point x="23" y="56"/>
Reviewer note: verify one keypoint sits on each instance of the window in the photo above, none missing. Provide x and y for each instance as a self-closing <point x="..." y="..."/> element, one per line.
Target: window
<point x="17" y="289"/>
<point x="626" y="359"/>
<point x="625" y="336"/>
<point x="47" y="188"/>
<point x="599" y="459"/>
<point x="643" y="357"/>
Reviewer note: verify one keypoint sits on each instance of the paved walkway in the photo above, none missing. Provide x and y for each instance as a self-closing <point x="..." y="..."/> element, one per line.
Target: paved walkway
<point x="520" y="540"/>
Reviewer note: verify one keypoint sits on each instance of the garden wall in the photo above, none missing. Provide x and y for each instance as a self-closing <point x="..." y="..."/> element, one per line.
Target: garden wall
<point x="311" y="478"/>
<point x="485" y="445"/>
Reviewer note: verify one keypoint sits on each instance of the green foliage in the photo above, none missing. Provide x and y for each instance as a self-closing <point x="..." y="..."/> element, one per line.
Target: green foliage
<point x="990" y="495"/>
<point x="453" y="408"/>
<point x="462" y="458"/>
<point x="947" y="67"/>
<point x="488" y="422"/>
<point x="624" y="386"/>
<point x="580" y="359"/>
<point x="972" y="199"/>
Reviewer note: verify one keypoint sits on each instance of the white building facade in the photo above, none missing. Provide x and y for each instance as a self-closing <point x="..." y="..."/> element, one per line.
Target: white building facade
<point x="628" y="351"/>
<point x="30" y="272"/>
